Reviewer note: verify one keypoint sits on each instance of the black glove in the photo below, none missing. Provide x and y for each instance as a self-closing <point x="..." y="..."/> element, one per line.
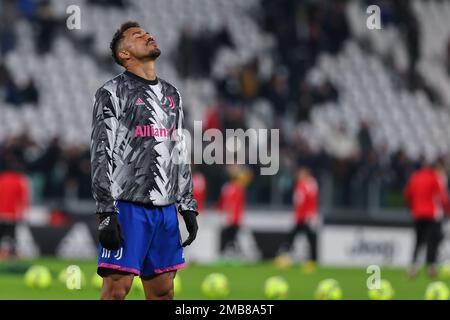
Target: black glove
<point x="109" y="232"/>
<point x="190" y="219"/>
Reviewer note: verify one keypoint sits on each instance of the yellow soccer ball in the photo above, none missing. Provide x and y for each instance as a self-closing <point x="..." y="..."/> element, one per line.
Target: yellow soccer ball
<point x="385" y="292"/>
<point x="97" y="281"/>
<point x="215" y="286"/>
<point x="276" y="288"/>
<point x="137" y="286"/>
<point x="328" y="289"/>
<point x="177" y="287"/>
<point x="437" y="290"/>
<point x="38" y="277"/>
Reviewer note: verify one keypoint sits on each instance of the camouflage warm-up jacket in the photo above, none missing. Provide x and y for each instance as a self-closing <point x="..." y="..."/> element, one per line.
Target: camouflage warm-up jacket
<point x="137" y="152"/>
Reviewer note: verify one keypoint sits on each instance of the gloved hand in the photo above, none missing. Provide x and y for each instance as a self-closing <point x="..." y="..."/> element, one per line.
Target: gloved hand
<point x="109" y="232"/>
<point x="190" y="219"/>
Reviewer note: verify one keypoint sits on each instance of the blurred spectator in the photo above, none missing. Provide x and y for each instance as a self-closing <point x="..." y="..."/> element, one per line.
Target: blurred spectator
<point x="18" y="146"/>
<point x="46" y="24"/>
<point x="84" y="177"/>
<point x="306" y="156"/>
<point x="47" y="164"/>
<point x="28" y="9"/>
<point x="228" y="87"/>
<point x="367" y="171"/>
<point x="303" y="30"/>
<point x="335" y="25"/>
<point x="371" y="168"/>
<point x="8" y="19"/>
<point x="309" y="95"/>
<point x="234" y="116"/>
<point x="248" y="80"/>
<point x="304" y="101"/>
<point x="15" y="94"/>
<point x="402" y="167"/>
<point x="29" y="93"/>
<point x="365" y="139"/>
<point x="340" y="143"/>
<point x="411" y="33"/>
<point x="278" y="93"/>
<point x="195" y="52"/>
<point x="9" y="90"/>
<point x="77" y="178"/>
<point x="324" y="92"/>
<point x="185" y="56"/>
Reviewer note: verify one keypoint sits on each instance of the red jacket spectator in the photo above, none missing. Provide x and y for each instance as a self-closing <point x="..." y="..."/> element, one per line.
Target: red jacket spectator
<point x="306" y="196"/>
<point x="232" y="201"/>
<point x="199" y="182"/>
<point x="426" y="194"/>
<point x="14" y="196"/>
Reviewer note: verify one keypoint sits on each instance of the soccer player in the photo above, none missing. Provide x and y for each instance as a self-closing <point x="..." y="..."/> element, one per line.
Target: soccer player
<point x="306" y="197"/>
<point x="14" y="201"/>
<point x="140" y="177"/>
<point x="232" y="202"/>
<point x="427" y="197"/>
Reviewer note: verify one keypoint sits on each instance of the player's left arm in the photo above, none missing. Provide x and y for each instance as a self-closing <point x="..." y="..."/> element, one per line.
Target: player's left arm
<point x="442" y="192"/>
<point x="187" y="205"/>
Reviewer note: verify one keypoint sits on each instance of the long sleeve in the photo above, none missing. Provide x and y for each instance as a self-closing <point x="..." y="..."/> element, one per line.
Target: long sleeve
<point x="104" y="127"/>
<point x="185" y="197"/>
<point x="23" y="196"/>
<point x="442" y="193"/>
<point x="300" y="195"/>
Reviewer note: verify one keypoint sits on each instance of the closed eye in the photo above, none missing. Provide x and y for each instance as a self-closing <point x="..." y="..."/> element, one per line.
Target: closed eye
<point x="139" y="34"/>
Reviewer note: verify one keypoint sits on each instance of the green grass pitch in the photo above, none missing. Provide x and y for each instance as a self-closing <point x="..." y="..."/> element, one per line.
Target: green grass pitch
<point x="246" y="281"/>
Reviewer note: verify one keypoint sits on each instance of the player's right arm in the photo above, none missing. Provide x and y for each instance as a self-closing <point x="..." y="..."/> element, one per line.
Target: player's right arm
<point x="104" y="127"/>
<point x="298" y="200"/>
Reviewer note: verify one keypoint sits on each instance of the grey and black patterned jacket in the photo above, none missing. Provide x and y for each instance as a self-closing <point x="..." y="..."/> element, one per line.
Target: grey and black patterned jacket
<point x="135" y="148"/>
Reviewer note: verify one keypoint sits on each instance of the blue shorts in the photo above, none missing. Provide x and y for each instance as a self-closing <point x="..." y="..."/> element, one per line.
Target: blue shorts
<point x="152" y="242"/>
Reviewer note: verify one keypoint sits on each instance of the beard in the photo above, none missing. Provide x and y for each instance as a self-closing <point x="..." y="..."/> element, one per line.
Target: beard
<point x="155" y="53"/>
